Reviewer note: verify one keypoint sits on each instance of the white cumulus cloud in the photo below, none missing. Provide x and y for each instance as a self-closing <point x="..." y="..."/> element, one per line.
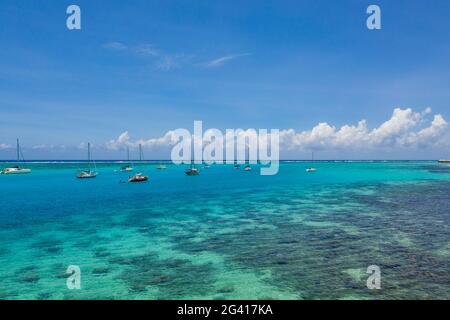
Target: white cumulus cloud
<point x="123" y="140"/>
<point x="401" y="130"/>
<point x="405" y="128"/>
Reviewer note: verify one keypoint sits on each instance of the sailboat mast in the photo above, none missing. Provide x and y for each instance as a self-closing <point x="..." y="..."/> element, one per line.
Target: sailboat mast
<point x="89" y="151"/>
<point x="192" y="154"/>
<point x="18" y="150"/>
<point x="247" y="154"/>
<point x="128" y="153"/>
<point x="140" y="152"/>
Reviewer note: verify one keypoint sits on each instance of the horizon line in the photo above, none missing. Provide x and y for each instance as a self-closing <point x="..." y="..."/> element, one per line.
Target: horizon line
<point x="169" y="160"/>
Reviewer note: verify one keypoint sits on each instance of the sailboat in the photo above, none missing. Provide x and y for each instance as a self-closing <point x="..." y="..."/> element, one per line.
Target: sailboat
<point x="16" y="169"/>
<point x="247" y="166"/>
<point x="139" y="177"/>
<point x="311" y="169"/>
<point x="192" y="170"/>
<point x="86" y="174"/>
<point x="127" y="167"/>
<point x="162" y="167"/>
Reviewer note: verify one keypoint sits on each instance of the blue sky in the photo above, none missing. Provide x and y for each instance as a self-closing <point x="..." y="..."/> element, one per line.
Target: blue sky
<point x="148" y="67"/>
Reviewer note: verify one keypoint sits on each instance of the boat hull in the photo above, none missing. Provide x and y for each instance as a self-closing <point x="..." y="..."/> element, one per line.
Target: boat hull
<point x="87" y="177"/>
<point x="135" y="180"/>
<point x="192" y="172"/>
<point x="15" y="171"/>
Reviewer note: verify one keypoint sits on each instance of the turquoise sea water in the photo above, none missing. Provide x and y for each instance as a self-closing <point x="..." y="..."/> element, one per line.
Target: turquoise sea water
<point x="227" y="234"/>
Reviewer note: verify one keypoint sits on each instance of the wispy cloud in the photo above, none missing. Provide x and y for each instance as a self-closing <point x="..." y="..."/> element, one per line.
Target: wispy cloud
<point x="222" y="60"/>
<point x="168" y="61"/>
<point x="118" y="46"/>
<point x="4" y="146"/>
<point x="171" y="62"/>
<point x="144" y="49"/>
<point x="162" y="61"/>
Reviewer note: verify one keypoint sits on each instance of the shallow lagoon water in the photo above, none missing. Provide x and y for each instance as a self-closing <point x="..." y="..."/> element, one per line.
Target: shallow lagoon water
<point x="228" y="234"/>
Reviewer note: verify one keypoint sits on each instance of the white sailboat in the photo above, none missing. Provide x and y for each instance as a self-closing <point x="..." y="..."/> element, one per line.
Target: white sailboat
<point x="311" y="169"/>
<point x="16" y="169"/>
<point x="89" y="173"/>
<point x="139" y="177"/>
<point x="128" y="167"/>
<point x="192" y="170"/>
<point x="162" y="167"/>
<point x="247" y="166"/>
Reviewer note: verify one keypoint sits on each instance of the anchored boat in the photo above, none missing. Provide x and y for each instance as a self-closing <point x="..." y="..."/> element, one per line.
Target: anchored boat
<point x="16" y="169"/>
<point x="192" y="170"/>
<point x="311" y="169"/>
<point x="128" y="167"/>
<point x="161" y="166"/>
<point x="247" y="159"/>
<point x="138" y="178"/>
<point x="87" y="173"/>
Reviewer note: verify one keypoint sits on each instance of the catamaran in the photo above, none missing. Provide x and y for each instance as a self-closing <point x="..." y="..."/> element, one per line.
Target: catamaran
<point x="311" y="169"/>
<point x="444" y="161"/>
<point x="16" y="169"/>
<point x="89" y="173"/>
